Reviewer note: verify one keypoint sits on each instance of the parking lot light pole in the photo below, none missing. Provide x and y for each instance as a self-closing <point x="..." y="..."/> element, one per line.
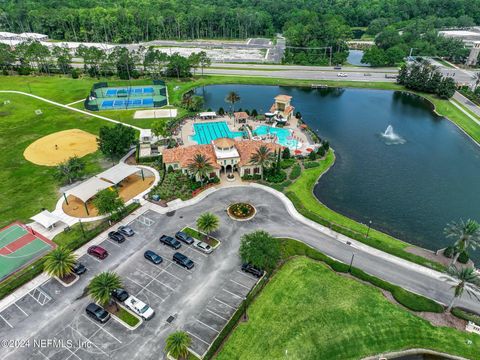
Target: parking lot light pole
<point x="81" y="227"/>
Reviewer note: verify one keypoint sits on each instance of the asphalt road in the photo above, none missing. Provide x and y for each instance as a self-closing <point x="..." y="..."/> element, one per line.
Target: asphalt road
<point x="202" y="285"/>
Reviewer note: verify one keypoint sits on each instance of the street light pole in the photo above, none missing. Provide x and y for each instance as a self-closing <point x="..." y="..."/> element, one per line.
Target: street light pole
<point x="81" y="227"/>
<point x="351" y="263"/>
<point x="368" y="230"/>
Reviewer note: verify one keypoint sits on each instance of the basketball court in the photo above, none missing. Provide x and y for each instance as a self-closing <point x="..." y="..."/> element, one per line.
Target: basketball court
<point x="19" y="246"/>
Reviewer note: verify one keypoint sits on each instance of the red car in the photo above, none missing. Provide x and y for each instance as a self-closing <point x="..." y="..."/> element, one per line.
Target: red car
<point x="97" y="251"/>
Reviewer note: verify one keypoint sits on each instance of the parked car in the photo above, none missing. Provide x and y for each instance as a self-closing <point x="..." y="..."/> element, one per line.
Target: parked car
<point x="139" y="308"/>
<point x="202" y="246"/>
<point x="116" y="236"/>
<point x="184" y="237"/>
<point x="97" y="312"/>
<point x="126" y="230"/>
<point x="120" y="294"/>
<point x="97" y="251"/>
<point x="170" y="241"/>
<point x="153" y="257"/>
<point x="337" y="67"/>
<point x="79" y="268"/>
<point x="183" y="260"/>
<point x="367" y="74"/>
<point x="248" y="268"/>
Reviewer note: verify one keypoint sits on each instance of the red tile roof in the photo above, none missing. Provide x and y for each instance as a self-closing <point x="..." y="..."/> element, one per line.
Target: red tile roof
<point x="240" y="115"/>
<point x="247" y="148"/>
<point x="284" y="98"/>
<point x="184" y="155"/>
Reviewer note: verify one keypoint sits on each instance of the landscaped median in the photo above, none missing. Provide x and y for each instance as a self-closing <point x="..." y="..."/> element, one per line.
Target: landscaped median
<point x="345" y="318"/>
<point x="200" y="236"/>
<point x="302" y="197"/>
<point x="126" y="318"/>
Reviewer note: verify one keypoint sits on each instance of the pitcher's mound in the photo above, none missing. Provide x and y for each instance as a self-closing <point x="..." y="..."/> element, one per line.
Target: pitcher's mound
<point x="55" y="148"/>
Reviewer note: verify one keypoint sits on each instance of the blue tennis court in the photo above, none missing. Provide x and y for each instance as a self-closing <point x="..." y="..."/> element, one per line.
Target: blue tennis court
<point x="121" y="103"/>
<point x="127" y="91"/>
<point x="205" y="133"/>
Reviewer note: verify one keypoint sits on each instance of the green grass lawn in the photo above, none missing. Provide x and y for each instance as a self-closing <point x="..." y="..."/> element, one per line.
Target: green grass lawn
<point x="309" y="312"/>
<point x="126" y="316"/>
<point x="26" y="188"/>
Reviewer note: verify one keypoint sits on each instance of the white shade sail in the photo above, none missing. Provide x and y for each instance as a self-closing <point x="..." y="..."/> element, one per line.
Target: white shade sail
<point x="88" y="188"/>
<point x="118" y="172"/>
<point x="46" y="219"/>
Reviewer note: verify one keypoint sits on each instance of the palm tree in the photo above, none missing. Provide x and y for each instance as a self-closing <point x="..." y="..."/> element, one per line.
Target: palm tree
<point x="60" y="262"/>
<point x="177" y="344"/>
<point x="232" y="98"/>
<point x="200" y="165"/>
<point x="466" y="279"/>
<point x="208" y="223"/>
<point x="101" y="286"/>
<point x="262" y="157"/>
<point x="466" y="235"/>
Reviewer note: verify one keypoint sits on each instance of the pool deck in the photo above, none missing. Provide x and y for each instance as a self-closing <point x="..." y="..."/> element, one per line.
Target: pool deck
<point x="187" y="129"/>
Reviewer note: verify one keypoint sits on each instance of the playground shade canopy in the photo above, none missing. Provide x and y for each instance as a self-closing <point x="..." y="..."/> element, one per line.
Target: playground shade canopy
<point x="88" y="188"/>
<point x="118" y="172"/>
<point x="46" y="219"/>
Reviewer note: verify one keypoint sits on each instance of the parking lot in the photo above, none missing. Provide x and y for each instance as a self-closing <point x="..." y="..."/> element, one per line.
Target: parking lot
<point x="199" y="301"/>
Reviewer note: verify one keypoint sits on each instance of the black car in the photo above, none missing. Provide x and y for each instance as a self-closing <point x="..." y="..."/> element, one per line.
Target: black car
<point x="79" y="268"/>
<point x="337" y="67"/>
<point x="120" y="294"/>
<point x="126" y="230"/>
<point x="252" y="270"/>
<point x="116" y="236"/>
<point x="184" y="237"/>
<point x="153" y="257"/>
<point x="169" y="241"/>
<point x="183" y="260"/>
<point x="97" y="312"/>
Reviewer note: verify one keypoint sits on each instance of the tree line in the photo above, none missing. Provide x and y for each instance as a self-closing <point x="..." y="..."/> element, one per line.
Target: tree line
<point x="34" y="57"/>
<point x="426" y="78"/>
<point x="305" y="23"/>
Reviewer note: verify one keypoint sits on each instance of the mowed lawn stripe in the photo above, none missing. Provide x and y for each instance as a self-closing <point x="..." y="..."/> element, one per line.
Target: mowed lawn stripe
<point x="309" y="312"/>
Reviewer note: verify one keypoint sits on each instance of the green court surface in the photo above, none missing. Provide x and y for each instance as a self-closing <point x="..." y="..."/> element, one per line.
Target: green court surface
<point x="14" y="261"/>
<point x="11" y="234"/>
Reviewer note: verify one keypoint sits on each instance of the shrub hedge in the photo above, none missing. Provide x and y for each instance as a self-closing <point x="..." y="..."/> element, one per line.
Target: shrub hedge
<point x="466" y="315"/>
<point x="286" y="163"/>
<point x="295" y="173"/>
<point x="311" y="164"/>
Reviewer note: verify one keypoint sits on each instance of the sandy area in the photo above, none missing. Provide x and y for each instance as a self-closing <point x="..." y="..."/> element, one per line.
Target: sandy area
<point x="128" y="189"/>
<point x="55" y="148"/>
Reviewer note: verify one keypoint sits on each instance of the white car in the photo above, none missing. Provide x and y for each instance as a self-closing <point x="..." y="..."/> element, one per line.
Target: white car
<point x="139" y="307"/>
<point x="203" y="247"/>
<point x="342" y="74"/>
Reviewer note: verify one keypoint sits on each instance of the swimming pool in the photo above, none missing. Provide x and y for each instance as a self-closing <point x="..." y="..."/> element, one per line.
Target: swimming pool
<point x="284" y="136"/>
<point x="206" y="132"/>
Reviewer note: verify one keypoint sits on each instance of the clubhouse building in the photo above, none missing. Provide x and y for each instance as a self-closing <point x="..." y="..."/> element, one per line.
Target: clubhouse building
<point x="224" y="154"/>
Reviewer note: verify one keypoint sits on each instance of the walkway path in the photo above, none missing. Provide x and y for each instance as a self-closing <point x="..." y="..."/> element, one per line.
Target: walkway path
<point x="468" y="104"/>
<point x="68" y="107"/>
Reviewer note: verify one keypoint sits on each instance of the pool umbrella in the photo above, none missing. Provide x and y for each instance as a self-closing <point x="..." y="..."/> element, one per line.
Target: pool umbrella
<point x="298" y="152"/>
<point x="309" y="149"/>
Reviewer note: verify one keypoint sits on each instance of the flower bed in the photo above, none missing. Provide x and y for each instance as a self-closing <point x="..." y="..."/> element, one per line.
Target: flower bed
<point x="241" y="211"/>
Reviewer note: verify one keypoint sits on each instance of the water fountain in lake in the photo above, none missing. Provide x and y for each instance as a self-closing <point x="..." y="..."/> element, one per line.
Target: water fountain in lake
<point x="391" y="138"/>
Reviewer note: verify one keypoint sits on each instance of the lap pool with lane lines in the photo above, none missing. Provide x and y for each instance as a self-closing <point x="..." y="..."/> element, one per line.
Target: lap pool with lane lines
<point x="206" y="132"/>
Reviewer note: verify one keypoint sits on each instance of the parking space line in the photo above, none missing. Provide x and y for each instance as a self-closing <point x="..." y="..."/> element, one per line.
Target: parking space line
<point x="221" y="302"/>
<point x="248" y="276"/>
<point x="201" y="322"/>
<point x="101" y="327"/>
<point x="72" y="353"/>
<point x="198" y="251"/>
<point x="144" y="288"/>
<point x="45" y="356"/>
<point x="19" y="308"/>
<point x="214" y="313"/>
<point x="90" y="341"/>
<point x="231" y="293"/>
<point x="155" y="278"/>
<point x="113" y="242"/>
<point x="169" y="273"/>
<point x="6" y="321"/>
<point x="94" y="258"/>
<point x="196" y="337"/>
<point x="240" y="284"/>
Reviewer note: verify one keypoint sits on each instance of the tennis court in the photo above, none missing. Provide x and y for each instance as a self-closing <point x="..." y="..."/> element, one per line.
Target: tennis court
<point x="107" y="96"/>
<point x="206" y="132"/>
<point x="130" y="103"/>
<point x="19" y="246"/>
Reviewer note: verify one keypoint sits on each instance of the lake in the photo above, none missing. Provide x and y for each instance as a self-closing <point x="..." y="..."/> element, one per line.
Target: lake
<point x="408" y="188"/>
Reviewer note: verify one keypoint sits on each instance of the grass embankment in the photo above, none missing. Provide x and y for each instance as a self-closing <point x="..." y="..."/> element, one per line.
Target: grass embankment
<point x="307" y="311"/>
<point x="301" y="194"/>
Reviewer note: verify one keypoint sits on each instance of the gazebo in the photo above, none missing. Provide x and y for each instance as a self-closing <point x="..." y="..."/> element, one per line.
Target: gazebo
<point x="240" y="117"/>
